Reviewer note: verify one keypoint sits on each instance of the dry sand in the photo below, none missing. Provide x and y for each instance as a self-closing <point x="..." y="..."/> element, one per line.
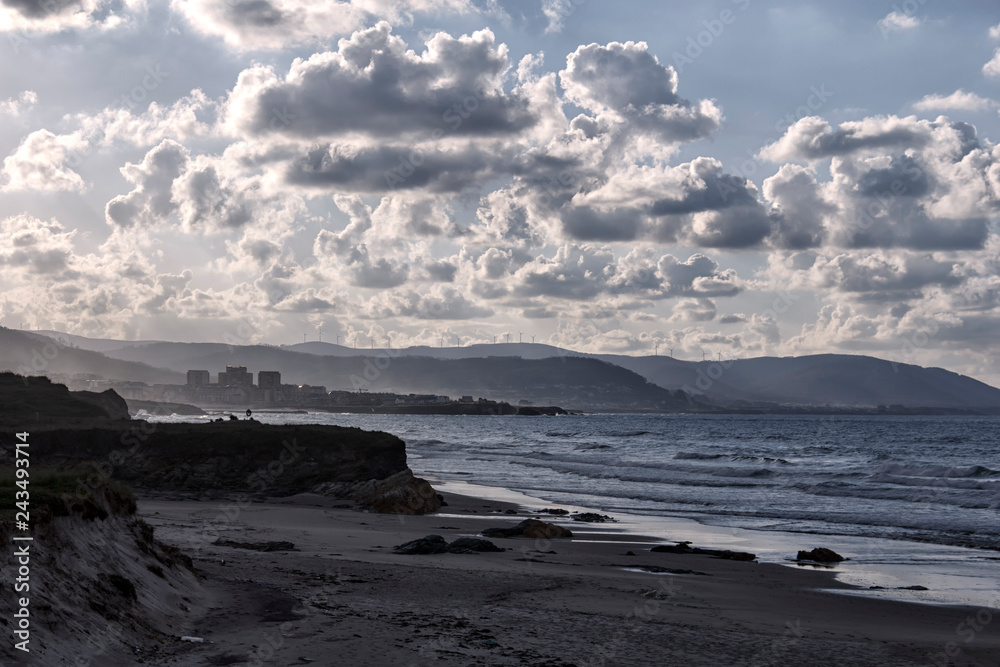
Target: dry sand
<point x="344" y="598"/>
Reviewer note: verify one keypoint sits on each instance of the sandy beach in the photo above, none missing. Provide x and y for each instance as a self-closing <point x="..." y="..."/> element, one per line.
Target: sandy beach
<point x="343" y="597"/>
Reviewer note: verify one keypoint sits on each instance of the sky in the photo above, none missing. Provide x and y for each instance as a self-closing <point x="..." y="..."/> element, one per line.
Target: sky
<point x="736" y="177"/>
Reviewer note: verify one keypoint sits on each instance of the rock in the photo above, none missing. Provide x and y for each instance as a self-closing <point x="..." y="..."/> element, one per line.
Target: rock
<point x="530" y="528"/>
<point x="510" y="511"/>
<point x="435" y="544"/>
<point x="400" y="493"/>
<point x="432" y="544"/>
<point x="471" y="545"/>
<point x="256" y="546"/>
<point x="591" y="517"/>
<point x="820" y="555"/>
<point x="629" y="553"/>
<point x="913" y="588"/>
<point x="685" y="548"/>
<point x="556" y="512"/>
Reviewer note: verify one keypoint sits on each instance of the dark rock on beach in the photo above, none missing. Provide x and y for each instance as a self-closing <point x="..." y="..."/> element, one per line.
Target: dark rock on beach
<point x="555" y="512"/>
<point x="820" y="555"/>
<point x="432" y="544"/>
<point x="469" y="545"/>
<point x="279" y="545"/>
<point x="435" y="544"/>
<point x="532" y="528"/>
<point x="686" y="548"/>
<point x="591" y="517"/>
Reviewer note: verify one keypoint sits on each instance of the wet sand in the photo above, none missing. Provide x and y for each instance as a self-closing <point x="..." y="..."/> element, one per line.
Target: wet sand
<point x="344" y="598"/>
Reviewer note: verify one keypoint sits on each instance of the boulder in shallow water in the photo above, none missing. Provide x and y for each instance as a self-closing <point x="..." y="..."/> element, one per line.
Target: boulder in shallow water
<point x="432" y="544"/>
<point x="591" y="517"/>
<point x="532" y="528"/>
<point x="820" y="555"/>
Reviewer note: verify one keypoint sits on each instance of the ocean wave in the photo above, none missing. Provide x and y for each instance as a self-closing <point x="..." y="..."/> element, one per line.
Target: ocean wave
<point x="698" y="456"/>
<point x="935" y="470"/>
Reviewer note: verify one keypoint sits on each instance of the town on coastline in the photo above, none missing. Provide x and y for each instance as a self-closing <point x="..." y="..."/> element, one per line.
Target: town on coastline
<point x="235" y="389"/>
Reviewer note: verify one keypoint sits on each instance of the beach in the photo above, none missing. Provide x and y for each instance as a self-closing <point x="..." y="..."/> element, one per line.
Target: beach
<point x="344" y="597"/>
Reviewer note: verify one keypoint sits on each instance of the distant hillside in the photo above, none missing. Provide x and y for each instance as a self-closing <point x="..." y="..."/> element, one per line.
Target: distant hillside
<point x="35" y="354"/>
<point x="816" y="380"/>
<point x="572" y="382"/>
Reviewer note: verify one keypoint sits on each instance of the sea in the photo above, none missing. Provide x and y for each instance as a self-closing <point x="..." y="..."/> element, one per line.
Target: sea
<point x="913" y="501"/>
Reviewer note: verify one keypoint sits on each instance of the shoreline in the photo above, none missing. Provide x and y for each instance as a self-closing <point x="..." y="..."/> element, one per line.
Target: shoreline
<point x="557" y="602"/>
<point x="891" y="564"/>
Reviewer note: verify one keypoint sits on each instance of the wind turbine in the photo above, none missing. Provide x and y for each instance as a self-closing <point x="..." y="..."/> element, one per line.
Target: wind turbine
<point x="321" y="334"/>
<point x="703" y="355"/>
<point x="720" y="356"/>
<point x="671" y="353"/>
<point x="494" y="339"/>
<point x="458" y="341"/>
<point x="338" y="339"/>
<point x="389" y="341"/>
<point x="520" y="336"/>
<point x="508" y="337"/>
<point x="532" y="340"/>
<point x="656" y="349"/>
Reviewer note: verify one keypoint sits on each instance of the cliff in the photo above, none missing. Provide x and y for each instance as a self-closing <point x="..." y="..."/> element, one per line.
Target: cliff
<point x="99" y="585"/>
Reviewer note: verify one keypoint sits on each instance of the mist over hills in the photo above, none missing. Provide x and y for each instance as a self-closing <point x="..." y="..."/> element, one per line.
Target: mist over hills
<point x="545" y="374"/>
<point x="32" y="353"/>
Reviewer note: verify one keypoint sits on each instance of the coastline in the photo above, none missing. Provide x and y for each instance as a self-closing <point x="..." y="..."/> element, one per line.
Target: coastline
<point x="560" y="602"/>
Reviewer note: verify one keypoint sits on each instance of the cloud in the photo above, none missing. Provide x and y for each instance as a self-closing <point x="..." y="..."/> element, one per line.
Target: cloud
<point x="958" y="100"/>
<point x="812" y="138"/>
<point x="896" y="21"/>
<point x="152" y="199"/>
<point x="556" y="11"/>
<point x="374" y="85"/>
<point x="16" y="106"/>
<point x="198" y="195"/>
<point x="992" y="68"/>
<point x="627" y="82"/>
<point x="278" y="24"/>
<point x="49" y="16"/>
<point x="583" y="272"/>
<point x="43" y="163"/>
<point x="694" y="310"/>
<point x="182" y="120"/>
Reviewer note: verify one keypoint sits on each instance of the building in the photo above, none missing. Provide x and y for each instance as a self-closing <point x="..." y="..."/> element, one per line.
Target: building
<point x="198" y="378"/>
<point x="236" y="376"/>
<point x="269" y="379"/>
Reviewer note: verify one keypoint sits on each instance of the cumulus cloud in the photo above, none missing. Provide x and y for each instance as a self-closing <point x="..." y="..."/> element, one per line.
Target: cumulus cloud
<point x="958" y="100"/>
<point x="896" y="21"/>
<point x="694" y="310"/>
<point x="15" y="106"/>
<point x="47" y="16"/>
<point x="992" y="67"/>
<point x="374" y="85"/>
<point x="182" y="120"/>
<point x="626" y="81"/>
<point x="812" y="138"/>
<point x="43" y="163"/>
<point x="200" y="194"/>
